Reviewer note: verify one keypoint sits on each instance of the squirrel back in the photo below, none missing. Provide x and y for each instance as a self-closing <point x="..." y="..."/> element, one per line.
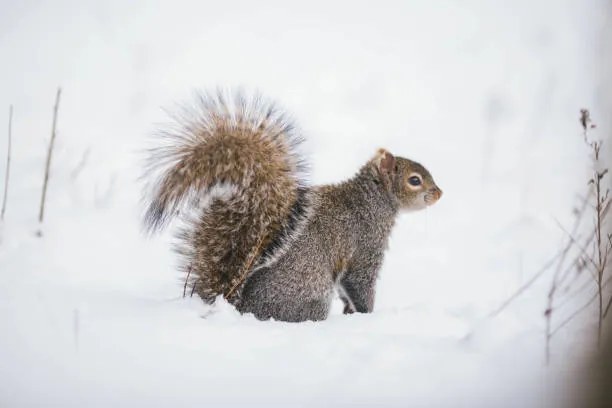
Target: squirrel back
<point x="230" y="167"/>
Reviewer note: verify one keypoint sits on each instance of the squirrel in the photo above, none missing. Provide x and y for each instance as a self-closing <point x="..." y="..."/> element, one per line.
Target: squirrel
<point x="253" y="231"/>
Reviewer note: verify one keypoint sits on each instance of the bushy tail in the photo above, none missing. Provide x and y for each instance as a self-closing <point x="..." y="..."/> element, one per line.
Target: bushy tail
<point x="233" y="159"/>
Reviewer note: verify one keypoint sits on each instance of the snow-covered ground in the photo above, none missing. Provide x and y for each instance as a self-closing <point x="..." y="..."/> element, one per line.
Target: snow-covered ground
<point x="484" y="93"/>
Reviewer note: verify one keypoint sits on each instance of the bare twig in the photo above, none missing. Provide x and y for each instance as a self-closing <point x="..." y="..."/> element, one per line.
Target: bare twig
<point x="607" y="307"/>
<point x="601" y="260"/>
<point x="187" y="281"/>
<point x="580" y="247"/>
<point x="551" y="295"/>
<point x="193" y="287"/>
<point x="49" y="153"/>
<point x="600" y="263"/>
<point x="580" y="290"/>
<point x="571" y="317"/>
<point x="527" y="284"/>
<point x="579" y="264"/>
<point x="593" y="251"/>
<point x="601" y="207"/>
<point x="8" y="163"/>
<point x="559" y="276"/>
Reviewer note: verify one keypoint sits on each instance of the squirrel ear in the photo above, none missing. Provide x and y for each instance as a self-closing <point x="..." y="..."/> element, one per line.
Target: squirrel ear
<point x="385" y="161"/>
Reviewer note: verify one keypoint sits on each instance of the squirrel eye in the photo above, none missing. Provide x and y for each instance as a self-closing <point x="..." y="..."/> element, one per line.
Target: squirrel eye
<point x="414" y="181"/>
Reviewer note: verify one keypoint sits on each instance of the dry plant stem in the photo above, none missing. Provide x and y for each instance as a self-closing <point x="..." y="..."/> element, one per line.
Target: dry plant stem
<point x="527" y="284"/>
<point x="193" y="288"/>
<point x="601" y="258"/>
<point x="8" y="163"/>
<point x="608" y="249"/>
<point x="600" y="264"/>
<point x="602" y="249"/>
<point x="575" y="267"/>
<point x="558" y="277"/>
<point x="594" y="262"/>
<point x="607" y="307"/>
<point x="580" y="309"/>
<point x="551" y="295"/>
<point x="582" y="249"/>
<point x="187" y="281"/>
<point x="49" y="153"/>
<point x="580" y="290"/>
<point x="573" y="315"/>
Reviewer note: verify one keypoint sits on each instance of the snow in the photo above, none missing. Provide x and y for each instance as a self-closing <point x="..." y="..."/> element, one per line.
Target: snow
<point x="485" y="94"/>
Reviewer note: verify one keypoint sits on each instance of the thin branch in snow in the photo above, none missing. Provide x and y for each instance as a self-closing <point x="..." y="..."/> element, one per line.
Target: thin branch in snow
<point x="527" y="284"/>
<point x="49" y="153"/>
<point x="607" y="307"/>
<point x="573" y="315"/>
<point x="193" y="288"/>
<point x="187" y="281"/>
<point x="593" y="250"/>
<point x="601" y="207"/>
<point x="560" y="275"/>
<point x="575" y="241"/>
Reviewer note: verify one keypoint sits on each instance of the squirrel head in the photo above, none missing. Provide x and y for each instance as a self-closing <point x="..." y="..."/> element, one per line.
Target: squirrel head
<point x="408" y="181"/>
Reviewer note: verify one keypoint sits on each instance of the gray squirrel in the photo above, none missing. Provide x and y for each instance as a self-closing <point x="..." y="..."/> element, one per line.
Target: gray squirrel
<point x="253" y="231"/>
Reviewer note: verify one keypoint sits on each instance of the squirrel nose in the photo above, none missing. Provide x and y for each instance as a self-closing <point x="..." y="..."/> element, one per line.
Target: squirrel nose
<point x="436" y="193"/>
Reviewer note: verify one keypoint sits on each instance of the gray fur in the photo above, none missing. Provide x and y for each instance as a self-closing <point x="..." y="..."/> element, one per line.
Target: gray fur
<point x="263" y="240"/>
<point x="342" y="245"/>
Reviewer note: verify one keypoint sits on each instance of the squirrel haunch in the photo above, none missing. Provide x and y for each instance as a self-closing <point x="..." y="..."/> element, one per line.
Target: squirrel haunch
<point x="253" y="231"/>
